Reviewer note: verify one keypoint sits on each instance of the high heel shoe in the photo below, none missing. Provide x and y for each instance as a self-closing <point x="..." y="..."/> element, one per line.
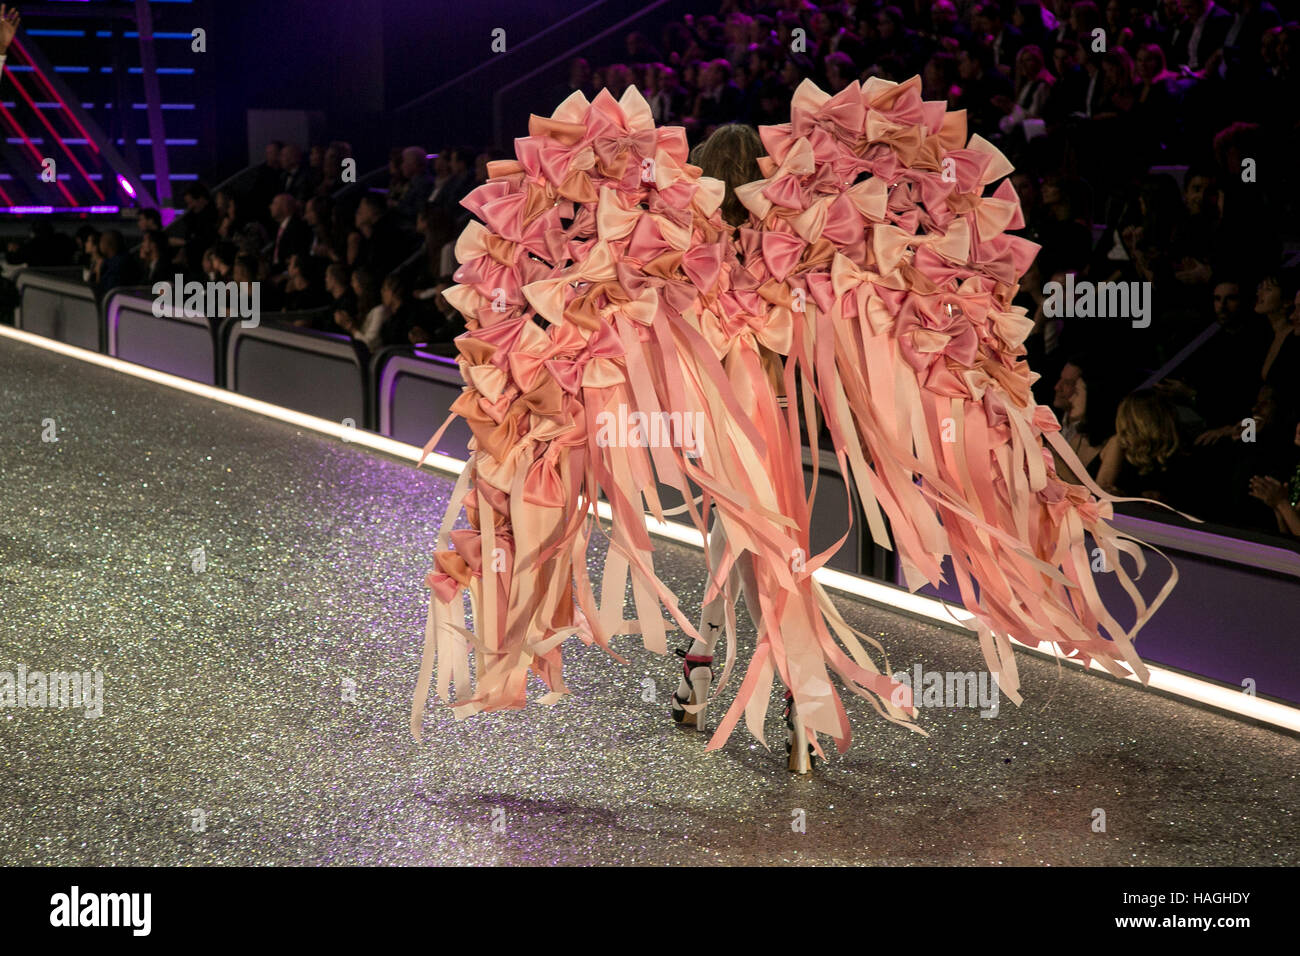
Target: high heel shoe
<point x="697" y="676"/>
<point x="801" y="758"/>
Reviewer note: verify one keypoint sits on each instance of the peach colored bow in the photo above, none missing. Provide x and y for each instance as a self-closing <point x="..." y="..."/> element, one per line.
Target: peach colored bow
<point x="931" y="336"/>
<point x="811" y="108"/>
<point x="550" y="296"/>
<point x="889" y="243"/>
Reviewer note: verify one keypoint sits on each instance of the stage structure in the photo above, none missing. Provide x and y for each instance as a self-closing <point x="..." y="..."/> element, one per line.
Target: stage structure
<point x="86" y="111"/>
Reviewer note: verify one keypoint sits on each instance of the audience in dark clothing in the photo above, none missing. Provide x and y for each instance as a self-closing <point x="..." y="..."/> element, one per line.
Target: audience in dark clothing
<point x="292" y="236"/>
<point x="381" y="244"/>
<point x="198" y="227"/>
<point x="116" y="268"/>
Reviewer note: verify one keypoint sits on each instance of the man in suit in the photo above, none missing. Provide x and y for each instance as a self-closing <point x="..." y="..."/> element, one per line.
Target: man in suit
<point x="459" y="181"/>
<point x="296" y="177"/>
<point x="981" y="84"/>
<point x="293" y="235"/>
<point x="154" y="266"/>
<point x="719" y="100"/>
<point x="1004" y="39"/>
<point x="1210" y="24"/>
<point x="1095" y="89"/>
<point x="420" y="185"/>
<point x="267" y="184"/>
<point x="198" y="227"/>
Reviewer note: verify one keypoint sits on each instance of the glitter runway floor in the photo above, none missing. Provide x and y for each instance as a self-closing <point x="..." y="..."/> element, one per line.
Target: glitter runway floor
<point x="223" y="691"/>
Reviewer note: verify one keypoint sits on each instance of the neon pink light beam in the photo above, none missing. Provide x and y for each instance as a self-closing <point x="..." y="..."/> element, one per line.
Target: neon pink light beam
<point x="40" y="115"/>
<point x="90" y="140"/>
<point x="35" y="152"/>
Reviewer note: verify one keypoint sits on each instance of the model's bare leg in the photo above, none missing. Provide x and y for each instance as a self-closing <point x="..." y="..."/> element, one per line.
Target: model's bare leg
<point x="697" y="673"/>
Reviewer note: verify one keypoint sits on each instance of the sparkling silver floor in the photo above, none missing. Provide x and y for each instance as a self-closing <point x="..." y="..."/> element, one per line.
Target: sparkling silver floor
<point x="226" y="738"/>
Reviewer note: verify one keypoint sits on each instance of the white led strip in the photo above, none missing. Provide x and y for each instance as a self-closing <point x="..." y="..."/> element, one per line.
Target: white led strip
<point x="1168" y="681"/>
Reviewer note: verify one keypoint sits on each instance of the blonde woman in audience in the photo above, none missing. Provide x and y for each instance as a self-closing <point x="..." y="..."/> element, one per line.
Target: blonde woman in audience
<point x="1142" y="458"/>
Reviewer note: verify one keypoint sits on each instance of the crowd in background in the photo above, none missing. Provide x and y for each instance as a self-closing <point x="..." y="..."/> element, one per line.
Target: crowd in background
<point x="1150" y="139"/>
<point x="1151" y="142"/>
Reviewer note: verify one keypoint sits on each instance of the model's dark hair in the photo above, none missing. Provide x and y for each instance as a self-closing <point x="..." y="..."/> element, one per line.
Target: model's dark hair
<point x="731" y="155"/>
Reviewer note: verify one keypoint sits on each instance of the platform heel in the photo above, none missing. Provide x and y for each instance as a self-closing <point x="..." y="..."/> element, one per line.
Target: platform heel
<point x="800" y="757"/>
<point x="697" y="678"/>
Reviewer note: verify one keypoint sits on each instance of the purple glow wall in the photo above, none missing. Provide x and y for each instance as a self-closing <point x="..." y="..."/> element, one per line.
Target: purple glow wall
<point x="1225" y="621"/>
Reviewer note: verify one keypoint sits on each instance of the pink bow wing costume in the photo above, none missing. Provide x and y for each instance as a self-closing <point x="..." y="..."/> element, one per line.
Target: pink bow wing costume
<point x="916" y="352"/>
<point x="601" y="287"/>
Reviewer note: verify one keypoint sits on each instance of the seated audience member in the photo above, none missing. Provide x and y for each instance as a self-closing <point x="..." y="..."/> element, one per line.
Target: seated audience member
<point x="381" y="245"/>
<point x="304" y="290"/>
<point x="419" y="184"/>
<point x="208" y="264"/>
<point x="1085" y="398"/>
<point x="1277" y="300"/>
<point x="442" y="177"/>
<point x="223" y="260"/>
<point x="1142" y="459"/>
<point x="198" y="227"/>
<point x="116" y="267"/>
<point x="155" y="268"/>
<point x="246" y="270"/>
<point x="148" y="220"/>
<point x="221" y="202"/>
<point x="366" y="321"/>
<point x="319" y="216"/>
<point x="297" y="178"/>
<point x="432" y="272"/>
<point x="1282" y="363"/>
<point x="981" y="85"/>
<point x="292" y="236"/>
<point x="250" y="269"/>
<point x="232" y="220"/>
<point x="1282" y="495"/>
<point x="342" y="298"/>
<point x="252" y="238"/>
<point x="460" y="165"/>
<point x="336" y="154"/>
<point x="267" y="184"/>
<point x="87" y="250"/>
<point x="1210" y="24"/>
<point x="406" y="321"/>
<point x="1033" y="86"/>
<point x="1221" y="377"/>
<point x="1260" y="445"/>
